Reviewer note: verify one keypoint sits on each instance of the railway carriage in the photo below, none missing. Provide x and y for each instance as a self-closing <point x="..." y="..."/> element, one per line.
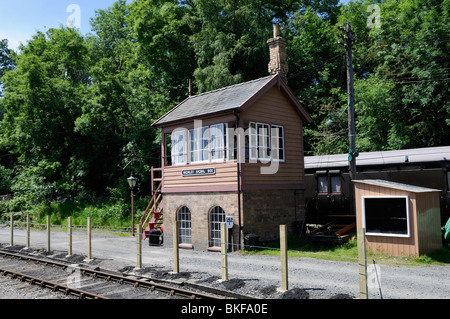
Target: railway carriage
<point x="328" y="195"/>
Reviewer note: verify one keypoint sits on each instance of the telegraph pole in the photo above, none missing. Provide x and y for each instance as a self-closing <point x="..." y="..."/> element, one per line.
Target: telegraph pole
<point x="348" y="44"/>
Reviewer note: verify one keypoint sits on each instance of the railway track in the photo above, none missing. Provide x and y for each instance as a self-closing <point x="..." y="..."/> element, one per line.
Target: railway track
<point x="86" y="283"/>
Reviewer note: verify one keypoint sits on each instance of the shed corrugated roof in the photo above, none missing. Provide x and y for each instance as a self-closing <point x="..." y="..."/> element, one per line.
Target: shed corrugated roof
<point x="220" y="100"/>
<point x="394" y="185"/>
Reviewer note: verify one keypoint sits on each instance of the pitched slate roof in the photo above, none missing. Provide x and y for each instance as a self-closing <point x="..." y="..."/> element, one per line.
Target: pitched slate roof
<point x="220" y="101"/>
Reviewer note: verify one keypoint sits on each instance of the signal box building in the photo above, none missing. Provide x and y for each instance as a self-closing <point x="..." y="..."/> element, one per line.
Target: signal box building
<point x="234" y="154"/>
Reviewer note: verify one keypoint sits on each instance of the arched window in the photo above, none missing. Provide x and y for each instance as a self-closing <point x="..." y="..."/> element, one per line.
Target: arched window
<point x="184" y="226"/>
<point x="216" y="217"/>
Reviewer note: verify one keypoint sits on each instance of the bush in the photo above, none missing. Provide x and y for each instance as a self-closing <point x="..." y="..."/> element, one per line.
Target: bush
<point x="114" y="210"/>
<point x="5" y="180"/>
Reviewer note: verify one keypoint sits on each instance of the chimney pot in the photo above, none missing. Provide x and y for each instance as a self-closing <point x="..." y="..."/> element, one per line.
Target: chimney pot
<point x="277" y="48"/>
<point x="276" y="30"/>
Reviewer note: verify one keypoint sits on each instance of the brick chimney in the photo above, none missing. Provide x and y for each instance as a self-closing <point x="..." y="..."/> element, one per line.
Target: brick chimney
<point x="277" y="46"/>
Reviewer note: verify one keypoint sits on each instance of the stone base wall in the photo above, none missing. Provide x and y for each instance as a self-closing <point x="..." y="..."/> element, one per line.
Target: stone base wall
<point x="200" y="205"/>
<point x="263" y="212"/>
<point x="266" y="210"/>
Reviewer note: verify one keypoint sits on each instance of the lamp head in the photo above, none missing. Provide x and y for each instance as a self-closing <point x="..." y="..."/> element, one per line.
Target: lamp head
<point x="132" y="181"/>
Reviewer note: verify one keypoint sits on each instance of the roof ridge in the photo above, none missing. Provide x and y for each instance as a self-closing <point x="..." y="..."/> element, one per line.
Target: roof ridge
<point x="231" y="86"/>
<point x="212" y="92"/>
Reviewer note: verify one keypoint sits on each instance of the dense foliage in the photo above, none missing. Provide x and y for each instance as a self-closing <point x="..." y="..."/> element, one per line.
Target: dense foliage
<point x="76" y="110"/>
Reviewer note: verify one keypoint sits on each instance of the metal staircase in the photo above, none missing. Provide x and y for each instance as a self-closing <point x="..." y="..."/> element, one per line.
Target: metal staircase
<point x="152" y="219"/>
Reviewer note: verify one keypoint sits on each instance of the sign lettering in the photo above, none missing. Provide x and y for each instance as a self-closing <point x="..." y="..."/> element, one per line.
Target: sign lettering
<point x="199" y="172"/>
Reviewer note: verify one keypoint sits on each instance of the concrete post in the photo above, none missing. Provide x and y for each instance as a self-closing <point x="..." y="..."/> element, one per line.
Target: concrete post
<point x="28" y="231"/>
<point x="176" y="253"/>
<point x="69" y="230"/>
<point x="224" y="246"/>
<point x="11" y="234"/>
<point x="48" y="233"/>
<point x="284" y="259"/>
<point x="362" y="264"/>
<point x="89" y="254"/>
<point x="139" y="247"/>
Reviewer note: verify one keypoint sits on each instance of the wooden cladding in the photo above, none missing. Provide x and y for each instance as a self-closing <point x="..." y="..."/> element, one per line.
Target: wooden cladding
<point x="225" y="176"/>
<point x="273" y="109"/>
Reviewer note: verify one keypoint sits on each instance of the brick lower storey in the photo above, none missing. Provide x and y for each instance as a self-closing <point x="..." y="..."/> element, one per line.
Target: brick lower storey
<point x="262" y="212"/>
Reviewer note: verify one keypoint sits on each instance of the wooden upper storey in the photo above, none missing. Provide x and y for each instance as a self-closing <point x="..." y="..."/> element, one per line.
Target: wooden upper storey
<point x="251" y="139"/>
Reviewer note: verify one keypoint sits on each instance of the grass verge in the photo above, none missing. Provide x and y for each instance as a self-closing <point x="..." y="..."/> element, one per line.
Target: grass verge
<point x="348" y="251"/>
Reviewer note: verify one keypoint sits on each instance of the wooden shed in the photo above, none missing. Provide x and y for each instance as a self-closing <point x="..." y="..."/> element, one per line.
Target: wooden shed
<point x="399" y="219"/>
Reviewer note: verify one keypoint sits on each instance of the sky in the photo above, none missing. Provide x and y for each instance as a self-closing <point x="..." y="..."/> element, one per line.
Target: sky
<point x="21" y="19"/>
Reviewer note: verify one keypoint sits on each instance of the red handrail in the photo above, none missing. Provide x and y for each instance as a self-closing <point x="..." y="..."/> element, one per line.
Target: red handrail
<point x="153" y="201"/>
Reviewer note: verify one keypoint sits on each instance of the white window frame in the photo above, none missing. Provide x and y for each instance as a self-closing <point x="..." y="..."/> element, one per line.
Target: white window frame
<point x="253" y="141"/>
<point x="216" y="217"/>
<point x="275" y="149"/>
<point x="259" y="141"/>
<point x="408" y="225"/>
<point x="218" y="142"/>
<point x="179" y="147"/>
<point x="184" y="225"/>
<point x="198" y="151"/>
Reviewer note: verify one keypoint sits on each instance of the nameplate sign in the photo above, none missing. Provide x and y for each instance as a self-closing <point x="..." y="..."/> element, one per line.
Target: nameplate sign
<point x="229" y="221"/>
<point x="199" y="172"/>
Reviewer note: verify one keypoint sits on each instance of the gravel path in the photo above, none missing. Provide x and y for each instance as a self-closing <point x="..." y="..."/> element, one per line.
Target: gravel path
<point x="252" y="275"/>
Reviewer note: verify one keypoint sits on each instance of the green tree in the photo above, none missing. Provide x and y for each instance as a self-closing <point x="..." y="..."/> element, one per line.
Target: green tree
<point x="229" y="42"/>
<point x="406" y="59"/>
<point x="317" y="76"/>
<point x="163" y="34"/>
<point x="130" y="89"/>
<point x="7" y="57"/>
<point x="42" y="98"/>
<point x="6" y="63"/>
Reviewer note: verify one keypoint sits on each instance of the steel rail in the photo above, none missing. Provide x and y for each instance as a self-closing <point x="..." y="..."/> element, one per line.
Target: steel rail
<point x="152" y="286"/>
<point x="50" y="285"/>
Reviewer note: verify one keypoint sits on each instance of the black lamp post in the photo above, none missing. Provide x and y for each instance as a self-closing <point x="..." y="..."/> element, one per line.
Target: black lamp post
<point x="132" y="182"/>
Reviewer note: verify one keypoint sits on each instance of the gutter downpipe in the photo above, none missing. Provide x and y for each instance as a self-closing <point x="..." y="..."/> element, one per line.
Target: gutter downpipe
<point x="238" y="155"/>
